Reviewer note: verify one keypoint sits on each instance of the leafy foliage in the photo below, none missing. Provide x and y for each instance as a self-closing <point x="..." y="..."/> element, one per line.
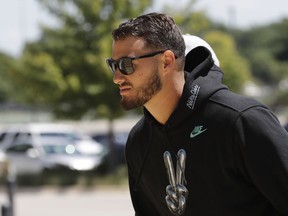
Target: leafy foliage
<point x="267" y="49"/>
<point x="66" y="68"/>
<point x="236" y="68"/>
<point x="8" y="70"/>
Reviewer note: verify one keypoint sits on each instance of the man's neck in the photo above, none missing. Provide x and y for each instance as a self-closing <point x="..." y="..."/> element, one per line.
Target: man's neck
<point x="162" y="105"/>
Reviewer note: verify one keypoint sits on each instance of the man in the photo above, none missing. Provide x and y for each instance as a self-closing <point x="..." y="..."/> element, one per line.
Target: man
<point x="199" y="149"/>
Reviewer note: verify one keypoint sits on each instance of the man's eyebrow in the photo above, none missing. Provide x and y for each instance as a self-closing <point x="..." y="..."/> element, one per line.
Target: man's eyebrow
<point x="125" y="56"/>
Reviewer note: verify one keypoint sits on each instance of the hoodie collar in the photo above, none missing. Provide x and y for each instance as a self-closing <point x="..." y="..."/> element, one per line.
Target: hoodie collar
<point x="203" y="79"/>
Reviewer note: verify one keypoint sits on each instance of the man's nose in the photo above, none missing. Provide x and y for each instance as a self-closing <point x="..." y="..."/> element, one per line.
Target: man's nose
<point x="118" y="77"/>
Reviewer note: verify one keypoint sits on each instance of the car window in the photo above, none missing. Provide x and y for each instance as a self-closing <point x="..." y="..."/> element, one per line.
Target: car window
<point x="13" y="136"/>
<point x="19" y="148"/>
<point x="2" y="136"/>
<point x="7" y="135"/>
<point x="16" y="135"/>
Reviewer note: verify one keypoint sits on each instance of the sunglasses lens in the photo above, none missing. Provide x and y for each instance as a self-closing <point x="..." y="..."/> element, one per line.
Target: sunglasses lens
<point x="126" y="66"/>
<point x="111" y="64"/>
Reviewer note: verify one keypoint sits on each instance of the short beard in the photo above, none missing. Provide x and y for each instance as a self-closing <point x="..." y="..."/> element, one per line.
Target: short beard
<point x="144" y="94"/>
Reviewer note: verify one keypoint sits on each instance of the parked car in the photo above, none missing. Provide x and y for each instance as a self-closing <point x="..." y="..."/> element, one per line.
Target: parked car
<point x="33" y="148"/>
<point x="39" y="130"/>
<point x="119" y="140"/>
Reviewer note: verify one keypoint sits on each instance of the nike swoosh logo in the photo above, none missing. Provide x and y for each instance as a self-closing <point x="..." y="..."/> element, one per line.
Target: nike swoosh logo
<point x="196" y="133"/>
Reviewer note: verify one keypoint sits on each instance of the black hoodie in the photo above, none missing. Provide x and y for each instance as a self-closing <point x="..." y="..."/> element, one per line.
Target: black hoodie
<point x="237" y="151"/>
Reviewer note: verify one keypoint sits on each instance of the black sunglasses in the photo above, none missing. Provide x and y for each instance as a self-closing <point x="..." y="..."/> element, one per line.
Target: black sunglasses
<point x="125" y="64"/>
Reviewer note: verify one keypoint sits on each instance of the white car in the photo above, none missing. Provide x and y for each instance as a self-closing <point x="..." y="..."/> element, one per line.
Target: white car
<point x="33" y="148"/>
<point x="35" y="131"/>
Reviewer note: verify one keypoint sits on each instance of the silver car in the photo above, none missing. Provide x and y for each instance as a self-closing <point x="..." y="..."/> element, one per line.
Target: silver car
<point x="35" y="150"/>
<point x="53" y="153"/>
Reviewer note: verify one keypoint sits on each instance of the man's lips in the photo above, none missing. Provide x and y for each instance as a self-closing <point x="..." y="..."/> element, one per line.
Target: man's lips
<point x="124" y="89"/>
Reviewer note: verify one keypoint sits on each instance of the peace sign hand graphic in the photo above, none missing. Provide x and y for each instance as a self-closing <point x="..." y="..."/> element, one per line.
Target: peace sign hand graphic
<point x="177" y="193"/>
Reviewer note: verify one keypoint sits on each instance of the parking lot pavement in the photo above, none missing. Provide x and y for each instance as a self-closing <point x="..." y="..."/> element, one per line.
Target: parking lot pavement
<point x="72" y="202"/>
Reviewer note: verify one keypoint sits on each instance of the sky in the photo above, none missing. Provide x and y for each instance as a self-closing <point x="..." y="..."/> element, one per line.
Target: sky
<point x="20" y="19"/>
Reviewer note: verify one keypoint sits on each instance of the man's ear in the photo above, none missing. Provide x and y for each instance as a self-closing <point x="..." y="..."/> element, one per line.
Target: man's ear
<point x="169" y="59"/>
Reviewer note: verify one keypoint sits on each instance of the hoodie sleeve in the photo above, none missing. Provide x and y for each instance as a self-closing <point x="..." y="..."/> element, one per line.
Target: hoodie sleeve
<point x="263" y="144"/>
<point x="142" y="205"/>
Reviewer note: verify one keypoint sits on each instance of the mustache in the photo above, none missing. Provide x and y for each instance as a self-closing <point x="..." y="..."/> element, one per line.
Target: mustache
<point x="125" y="84"/>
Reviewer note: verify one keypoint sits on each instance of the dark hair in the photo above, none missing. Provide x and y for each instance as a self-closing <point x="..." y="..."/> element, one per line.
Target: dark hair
<point x="159" y="31"/>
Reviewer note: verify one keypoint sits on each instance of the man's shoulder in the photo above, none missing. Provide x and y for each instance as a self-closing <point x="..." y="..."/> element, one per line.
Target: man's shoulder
<point x="227" y="106"/>
<point x="138" y="130"/>
<point x="139" y="126"/>
<point x="234" y="102"/>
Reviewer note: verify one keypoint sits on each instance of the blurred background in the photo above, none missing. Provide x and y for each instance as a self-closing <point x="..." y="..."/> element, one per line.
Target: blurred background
<point x="62" y="130"/>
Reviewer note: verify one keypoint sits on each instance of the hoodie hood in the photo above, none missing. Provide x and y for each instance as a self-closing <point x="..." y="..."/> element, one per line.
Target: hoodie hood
<point x="192" y="41"/>
<point x="203" y="79"/>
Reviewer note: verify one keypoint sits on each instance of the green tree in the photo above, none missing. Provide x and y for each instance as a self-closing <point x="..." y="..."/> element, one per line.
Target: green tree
<point x="266" y="47"/>
<point x="236" y="68"/>
<point x="8" y="90"/>
<point x="188" y="18"/>
<point x="65" y="69"/>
